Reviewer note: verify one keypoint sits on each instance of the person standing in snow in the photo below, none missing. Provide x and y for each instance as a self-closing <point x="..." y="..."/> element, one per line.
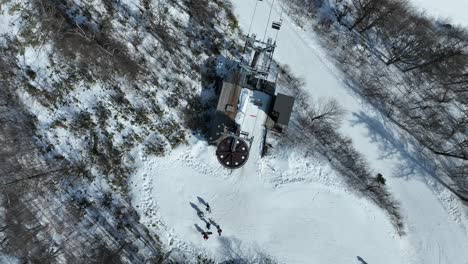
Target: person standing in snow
<point x="200" y="214"/>
<point x="207" y="234"/>
<point x="208" y="208"/>
<point x="208" y="225"/>
<point x="219" y="230"/>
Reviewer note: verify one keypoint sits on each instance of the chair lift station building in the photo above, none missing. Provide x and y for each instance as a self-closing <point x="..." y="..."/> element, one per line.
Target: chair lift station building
<point x="248" y="105"/>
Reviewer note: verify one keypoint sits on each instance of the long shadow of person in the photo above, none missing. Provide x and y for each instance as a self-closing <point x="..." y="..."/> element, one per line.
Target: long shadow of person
<point x="207" y="224"/>
<point x="213" y="222"/>
<point x="199" y="229"/>
<point x="199" y="212"/>
<point x="361" y="260"/>
<point x="202" y="201"/>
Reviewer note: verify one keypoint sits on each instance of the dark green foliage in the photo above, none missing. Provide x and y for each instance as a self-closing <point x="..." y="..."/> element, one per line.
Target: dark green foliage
<point x="83" y="121"/>
<point x="380" y="179"/>
<point x="204" y="260"/>
<point x="155" y="148"/>
<point x="141" y="117"/>
<point x="31" y="74"/>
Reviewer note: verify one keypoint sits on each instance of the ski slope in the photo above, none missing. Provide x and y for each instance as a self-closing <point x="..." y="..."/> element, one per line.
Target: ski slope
<point x="293" y="208"/>
<point x="420" y="195"/>
<point x="453" y="10"/>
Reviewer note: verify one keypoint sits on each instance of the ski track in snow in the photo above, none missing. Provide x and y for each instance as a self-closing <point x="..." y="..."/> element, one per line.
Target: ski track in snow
<point x="296" y="208"/>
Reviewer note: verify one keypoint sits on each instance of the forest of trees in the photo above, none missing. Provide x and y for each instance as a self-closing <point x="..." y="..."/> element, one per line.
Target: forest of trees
<point x="412" y="67"/>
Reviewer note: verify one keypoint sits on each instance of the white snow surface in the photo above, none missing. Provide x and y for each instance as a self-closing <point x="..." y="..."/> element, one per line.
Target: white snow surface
<point x="293" y="222"/>
<point x="9" y="24"/>
<point x="294" y="207"/>
<point x="8" y="259"/>
<point x="453" y="10"/>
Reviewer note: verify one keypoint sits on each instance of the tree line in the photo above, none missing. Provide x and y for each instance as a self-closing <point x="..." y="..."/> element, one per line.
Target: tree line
<point x="412" y="67"/>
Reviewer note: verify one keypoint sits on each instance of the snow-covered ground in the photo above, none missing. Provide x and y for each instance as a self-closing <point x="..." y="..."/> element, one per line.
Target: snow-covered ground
<point x="8" y="260"/>
<point x="453" y="10"/>
<point x="293" y="208"/>
<point x="305" y="221"/>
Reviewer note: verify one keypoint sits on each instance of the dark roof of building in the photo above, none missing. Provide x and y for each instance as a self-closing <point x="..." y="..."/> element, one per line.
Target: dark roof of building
<point x="283" y="108"/>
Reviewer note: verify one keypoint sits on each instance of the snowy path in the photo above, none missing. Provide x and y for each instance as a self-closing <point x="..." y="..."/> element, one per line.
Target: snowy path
<point x="292" y="208"/>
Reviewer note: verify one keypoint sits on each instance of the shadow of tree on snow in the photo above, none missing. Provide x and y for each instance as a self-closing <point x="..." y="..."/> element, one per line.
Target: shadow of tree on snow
<point x="239" y="253"/>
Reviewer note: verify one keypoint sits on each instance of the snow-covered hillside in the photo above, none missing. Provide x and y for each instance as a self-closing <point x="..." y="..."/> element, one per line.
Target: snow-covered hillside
<point x="292" y="205"/>
<point x="103" y="109"/>
<point x="82" y="84"/>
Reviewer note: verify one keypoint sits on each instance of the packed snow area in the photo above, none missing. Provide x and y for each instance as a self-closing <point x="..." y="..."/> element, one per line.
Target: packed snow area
<point x="301" y="221"/>
<point x="453" y="10"/>
<point x="292" y="206"/>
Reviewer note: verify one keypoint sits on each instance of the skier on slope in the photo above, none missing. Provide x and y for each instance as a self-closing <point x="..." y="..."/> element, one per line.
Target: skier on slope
<point x="219" y="230"/>
<point x="208" y="225"/>
<point x="208" y="208"/>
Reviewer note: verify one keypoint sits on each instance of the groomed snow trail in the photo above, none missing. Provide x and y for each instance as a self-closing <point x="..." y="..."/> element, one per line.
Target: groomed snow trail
<point x="453" y="10"/>
<point x="293" y="208"/>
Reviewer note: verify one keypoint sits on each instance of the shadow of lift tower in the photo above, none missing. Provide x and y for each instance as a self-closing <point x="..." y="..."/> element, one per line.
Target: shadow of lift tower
<point x="255" y="75"/>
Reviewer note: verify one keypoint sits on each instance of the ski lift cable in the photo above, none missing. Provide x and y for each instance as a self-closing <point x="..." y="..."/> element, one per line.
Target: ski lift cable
<point x="282" y="12"/>
<point x="280" y="21"/>
<point x="253" y="16"/>
<point x="268" y="23"/>
<point x="276" y="37"/>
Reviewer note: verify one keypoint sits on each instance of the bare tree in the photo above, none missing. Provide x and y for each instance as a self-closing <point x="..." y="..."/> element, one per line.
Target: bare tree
<point x="364" y="10"/>
<point x="405" y="38"/>
<point x="325" y="110"/>
<point x="383" y="11"/>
